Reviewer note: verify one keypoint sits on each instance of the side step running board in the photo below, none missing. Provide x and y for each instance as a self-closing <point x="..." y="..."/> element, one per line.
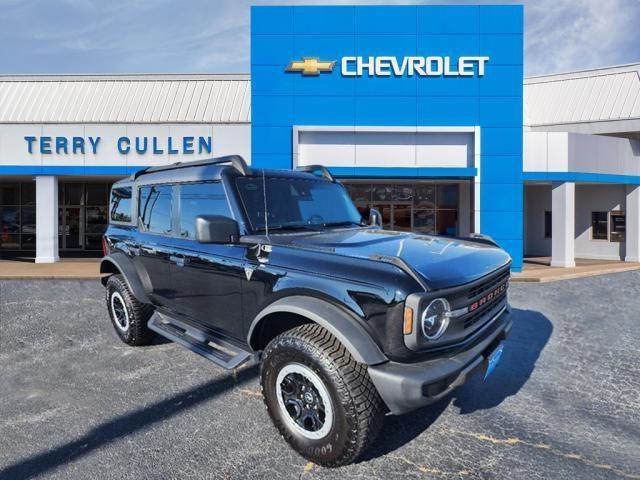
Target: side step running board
<point x="213" y="348"/>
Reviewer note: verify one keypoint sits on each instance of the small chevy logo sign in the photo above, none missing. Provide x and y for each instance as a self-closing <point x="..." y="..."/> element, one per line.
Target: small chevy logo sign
<point x="310" y="66"/>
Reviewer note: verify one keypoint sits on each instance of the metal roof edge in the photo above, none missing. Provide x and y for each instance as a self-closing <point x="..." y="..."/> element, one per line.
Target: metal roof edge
<point x="122" y="76"/>
<point x="588" y="72"/>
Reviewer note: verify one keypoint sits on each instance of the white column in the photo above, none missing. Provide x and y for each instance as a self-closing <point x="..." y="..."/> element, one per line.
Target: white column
<point x="46" y="219"/>
<point x="632" y="227"/>
<point x="563" y="199"/>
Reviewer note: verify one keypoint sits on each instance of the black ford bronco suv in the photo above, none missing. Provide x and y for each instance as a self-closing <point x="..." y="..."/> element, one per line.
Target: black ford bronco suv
<point x="348" y="321"/>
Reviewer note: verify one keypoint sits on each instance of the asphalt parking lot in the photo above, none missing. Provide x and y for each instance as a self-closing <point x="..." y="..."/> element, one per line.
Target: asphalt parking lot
<point x="76" y="403"/>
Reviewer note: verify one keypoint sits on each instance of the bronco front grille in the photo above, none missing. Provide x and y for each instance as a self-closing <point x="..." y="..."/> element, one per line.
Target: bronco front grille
<point x="477" y="315"/>
<point x="486" y="287"/>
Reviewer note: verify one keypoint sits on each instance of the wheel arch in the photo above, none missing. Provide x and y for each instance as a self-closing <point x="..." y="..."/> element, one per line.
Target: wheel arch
<point x="118" y="263"/>
<point x="290" y="312"/>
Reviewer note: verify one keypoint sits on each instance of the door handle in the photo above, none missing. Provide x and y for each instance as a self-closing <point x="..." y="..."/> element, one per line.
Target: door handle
<point x="179" y="260"/>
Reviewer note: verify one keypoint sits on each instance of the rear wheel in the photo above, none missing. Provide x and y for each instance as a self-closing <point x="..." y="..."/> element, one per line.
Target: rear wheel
<point x="128" y="315"/>
<point x="321" y="400"/>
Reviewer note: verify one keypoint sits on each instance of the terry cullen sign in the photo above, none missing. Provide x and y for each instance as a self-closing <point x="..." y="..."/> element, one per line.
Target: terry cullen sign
<point x="62" y="145"/>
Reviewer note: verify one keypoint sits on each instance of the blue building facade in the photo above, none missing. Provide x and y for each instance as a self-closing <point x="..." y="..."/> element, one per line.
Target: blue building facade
<point x="398" y="70"/>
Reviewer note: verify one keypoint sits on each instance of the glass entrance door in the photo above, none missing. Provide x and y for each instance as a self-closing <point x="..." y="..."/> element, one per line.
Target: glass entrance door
<point x="70" y="226"/>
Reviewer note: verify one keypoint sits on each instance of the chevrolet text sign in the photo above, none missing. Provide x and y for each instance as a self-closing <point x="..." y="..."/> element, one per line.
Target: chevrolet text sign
<point x="420" y="66"/>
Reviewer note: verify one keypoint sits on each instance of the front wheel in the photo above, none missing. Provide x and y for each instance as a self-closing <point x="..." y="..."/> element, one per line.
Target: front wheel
<point x="321" y="400"/>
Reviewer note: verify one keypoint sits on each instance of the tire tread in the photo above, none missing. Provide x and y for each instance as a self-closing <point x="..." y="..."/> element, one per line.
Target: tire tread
<point x="368" y="408"/>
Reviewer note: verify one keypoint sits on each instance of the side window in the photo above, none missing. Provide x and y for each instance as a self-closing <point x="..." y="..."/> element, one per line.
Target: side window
<point x="200" y="199"/>
<point x="154" y="208"/>
<point x="120" y="205"/>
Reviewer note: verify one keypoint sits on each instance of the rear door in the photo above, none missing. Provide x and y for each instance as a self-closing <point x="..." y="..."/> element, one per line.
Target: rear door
<point x="207" y="278"/>
<point x="156" y="205"/>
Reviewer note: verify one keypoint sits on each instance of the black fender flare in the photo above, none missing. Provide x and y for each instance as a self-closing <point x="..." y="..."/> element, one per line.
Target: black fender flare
<point x="124" y="265"/>
<point x="338" y="322"/>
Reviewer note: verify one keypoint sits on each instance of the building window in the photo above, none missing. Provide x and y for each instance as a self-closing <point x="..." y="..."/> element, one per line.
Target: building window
<point x="599" y="225"/>
<point x="547" y="224"/>
<point x="17" y="216"/>
<point x="155" y="208"/>
<point x="200" y="199"/>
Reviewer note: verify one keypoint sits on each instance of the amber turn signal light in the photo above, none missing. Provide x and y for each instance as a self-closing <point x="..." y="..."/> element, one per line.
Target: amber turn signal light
<point x="408" y="321"/>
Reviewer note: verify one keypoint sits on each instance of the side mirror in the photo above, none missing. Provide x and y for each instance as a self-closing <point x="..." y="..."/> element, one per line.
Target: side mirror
<point x="216" y="229"/>
<point x="375" y="218"/>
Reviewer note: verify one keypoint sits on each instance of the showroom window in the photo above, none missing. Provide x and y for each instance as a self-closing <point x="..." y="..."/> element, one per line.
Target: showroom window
<point x="431" y="208"/>
<point x="599" y="224"/>
<point x="18" y="216"/>
<point x="82" y="215"/>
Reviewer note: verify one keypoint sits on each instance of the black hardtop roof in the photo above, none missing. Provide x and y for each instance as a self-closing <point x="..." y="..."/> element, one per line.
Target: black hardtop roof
<point x="213" y="169"/>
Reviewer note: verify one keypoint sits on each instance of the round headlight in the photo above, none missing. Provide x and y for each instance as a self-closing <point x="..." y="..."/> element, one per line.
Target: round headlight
<point x="435" y="319"/>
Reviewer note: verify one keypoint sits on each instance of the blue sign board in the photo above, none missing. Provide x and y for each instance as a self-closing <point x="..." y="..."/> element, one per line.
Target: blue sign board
<point x="397" y="66"/>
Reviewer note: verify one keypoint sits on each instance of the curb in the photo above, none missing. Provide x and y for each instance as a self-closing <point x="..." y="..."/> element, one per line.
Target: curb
<point x="571" y="276"/>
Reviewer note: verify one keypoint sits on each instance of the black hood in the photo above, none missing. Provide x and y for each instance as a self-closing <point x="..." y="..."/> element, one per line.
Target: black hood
<point x="441" y="262"/>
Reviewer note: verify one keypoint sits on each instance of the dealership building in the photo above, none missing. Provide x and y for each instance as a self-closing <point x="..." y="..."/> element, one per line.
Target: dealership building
<point x="421" y="111"/>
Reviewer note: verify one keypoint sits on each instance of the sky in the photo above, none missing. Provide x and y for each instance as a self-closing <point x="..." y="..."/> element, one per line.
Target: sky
<point x="212" y="36"/>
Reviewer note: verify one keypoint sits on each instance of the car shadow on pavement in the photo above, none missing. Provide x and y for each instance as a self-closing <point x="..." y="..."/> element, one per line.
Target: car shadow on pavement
<point x="124" y="426"/>
<point x="530" y="333"/>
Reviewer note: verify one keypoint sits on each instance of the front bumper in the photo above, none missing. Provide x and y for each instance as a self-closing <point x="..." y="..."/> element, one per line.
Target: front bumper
<point x="407" y="386"/>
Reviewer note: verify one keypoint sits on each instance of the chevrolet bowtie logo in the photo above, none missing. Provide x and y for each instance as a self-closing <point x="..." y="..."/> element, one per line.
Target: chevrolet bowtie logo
<point x="310" y="66"/>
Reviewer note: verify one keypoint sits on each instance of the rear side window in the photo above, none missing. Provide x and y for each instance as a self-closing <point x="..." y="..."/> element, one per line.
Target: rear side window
<point x="154" y="208"/>
<point x="200" y="199"/>
<point x="120" y="205"/>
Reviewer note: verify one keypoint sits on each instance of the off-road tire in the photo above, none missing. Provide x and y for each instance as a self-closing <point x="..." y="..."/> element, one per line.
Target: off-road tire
<point x="358" y="409"/>
<point x="137" y="333"/>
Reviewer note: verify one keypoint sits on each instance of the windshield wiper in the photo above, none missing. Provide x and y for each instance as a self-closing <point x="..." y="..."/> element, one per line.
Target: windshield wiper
<point x="293" y="227"/>
<point x="342" y="224"/>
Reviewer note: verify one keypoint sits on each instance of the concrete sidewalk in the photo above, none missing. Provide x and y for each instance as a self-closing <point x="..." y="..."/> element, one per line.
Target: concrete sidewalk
<point x="69" y="269"/>
<point x="538" y="269"/>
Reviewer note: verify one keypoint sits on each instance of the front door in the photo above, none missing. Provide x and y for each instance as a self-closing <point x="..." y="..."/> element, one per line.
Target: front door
<point x="71" y="233"/>
<point x="207" y="278"/>
<point x="207" y="284"/>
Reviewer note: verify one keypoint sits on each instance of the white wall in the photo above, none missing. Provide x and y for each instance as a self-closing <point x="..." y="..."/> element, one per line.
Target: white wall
<point x="225" y="139"/>
<point x="392" y="148"/>
<point x="589" y="198"/>
<point x="575" y="152"/>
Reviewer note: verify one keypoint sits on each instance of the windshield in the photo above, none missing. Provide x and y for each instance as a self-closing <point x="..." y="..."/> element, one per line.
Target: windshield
<point x="296" y="203"/>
